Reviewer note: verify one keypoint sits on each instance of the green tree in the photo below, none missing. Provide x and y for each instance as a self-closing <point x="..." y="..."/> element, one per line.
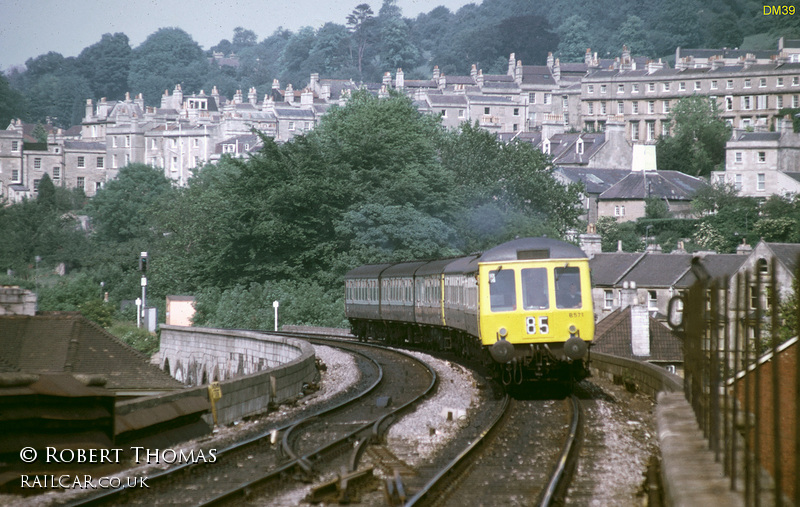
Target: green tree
<point x="697" y="143"/>
<point x="726" y="218"/>
<point x="120" y="210"/>
<point x="12" y="103"/>
<point x="167" y="57"/>
<point x="106" y="65"/>
<point x="633" y="34"/>
<point x="573" y="34"/>
<point x="360" y="23"/>
<point x="612" y="232"/>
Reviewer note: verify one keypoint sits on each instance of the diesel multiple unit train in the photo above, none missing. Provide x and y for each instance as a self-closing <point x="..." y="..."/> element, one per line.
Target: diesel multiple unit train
<point x="525" y="306"/>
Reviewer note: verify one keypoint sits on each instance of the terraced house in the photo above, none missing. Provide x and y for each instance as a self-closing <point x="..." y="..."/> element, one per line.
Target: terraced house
<point x="616" y="103"/>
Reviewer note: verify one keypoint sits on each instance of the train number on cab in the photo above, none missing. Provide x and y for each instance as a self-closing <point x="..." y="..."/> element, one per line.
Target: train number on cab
<point x="532" y="326"/>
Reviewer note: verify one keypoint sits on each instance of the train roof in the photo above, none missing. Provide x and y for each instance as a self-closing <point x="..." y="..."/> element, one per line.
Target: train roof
<point x="466" y="264"/>
<point x="434" y="267"/>
<point x="532" y="248"/>
<point x="403" y="268"/>
<point x="367" y="271"/>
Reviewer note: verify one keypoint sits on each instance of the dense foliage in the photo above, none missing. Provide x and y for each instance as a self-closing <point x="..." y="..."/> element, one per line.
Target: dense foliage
<point x="374" y="39"/>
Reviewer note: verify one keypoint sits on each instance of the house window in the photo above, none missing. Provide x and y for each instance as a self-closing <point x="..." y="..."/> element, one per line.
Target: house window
<point x="579" y="146"/>
<point x="651" y="106"/>
<point x="36" y="185"/>
<point x="98" y="186"/>
<point x="747" y="102"/>
<point x="729" y="103"/>
<point x="14" y="145"/>
<point x="590" y="108"/>
<point x="729" y="84"/>
<point x="37" y="163"/>
<point x="460" y="113"/>
<point x="652" y="300"/>
<point x="635" y="107"/>
<point x="738" y="157"/>
<point x="196" y="142"/>
<point x="602" y="108"/>
<point x="779" y="82"/>
<point x="664" y="128"/>
<point x="747" y="83"/>
<point x="153" y="143"/>
<point x="761" y="182"/>
<point x="114" y="161"/>
<point x="174" y="166"/>
<point x="634" y="131"/>
<point x="714" y="84"/>
<point x="127" y="141"/>
<point x="779" y="101"/>
<point x="547" y="98"/>
<point x="516" y="111"/>
<point x="651" y="131"/>
<point x="127" y="158"/>
<point x="619" y="211"/>
<point x="737" y="182"/>
<point x="113" y="141"/>
<point x="635" y="88"/>
<point x="589" y="89"/>
<point x="608" y="299"/>
<point x="697" y="85"/>
<point x="486" y="110"/>
<point x="620" y="88"/>
<point x="602" y="88"/>
<point x="666" y="107"/>
<point x="81" y="162"/>
<point x="444" y="113"/>
<point x="682" y="86"/>
<point x="100" y="162"/>
<point x="651" y="87"/>
<point x="795" y="101"/>
<point x="753" y="297"/>
<point x="81" y="183"/>
<point x="15" y="175"/>
<point x="761" y="102"/>
<point x="620" y="107"/>
<point x="56" y="173"/>
<point x="666" y="87"/>
<point x="291" y="126"/>
<point x="762" y="157"/>
<point x="532" y="95"/>
<point x="762" y="82"/>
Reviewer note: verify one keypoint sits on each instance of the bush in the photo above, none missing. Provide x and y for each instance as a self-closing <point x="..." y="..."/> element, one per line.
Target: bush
<point x="138" y="338"/>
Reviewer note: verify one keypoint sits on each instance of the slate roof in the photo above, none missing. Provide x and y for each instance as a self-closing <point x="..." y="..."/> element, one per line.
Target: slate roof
<point x="787" y="253"/>
<point x="563" y="147"/>
<point x="658" y="270"/>
<point x="447" y="100"/>
<point x="612" y="335"/>
<point x="596" y="181"/>
<point x="84" y="145"/>
<point x="608" y="268"/>
<point x="718" y="266"/>
<point x="759" y="136"/>
<point x="537" y="74"/>
<point x="66" y="342"/>
<point x="673" y="185"/>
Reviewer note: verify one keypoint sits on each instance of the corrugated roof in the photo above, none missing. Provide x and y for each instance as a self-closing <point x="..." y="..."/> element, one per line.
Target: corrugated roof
<point x="65" y="342"/>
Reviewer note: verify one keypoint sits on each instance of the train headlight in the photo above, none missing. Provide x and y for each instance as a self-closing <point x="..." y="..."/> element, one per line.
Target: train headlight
<point x="502" y="333"/>
<point x="573" y="330"/>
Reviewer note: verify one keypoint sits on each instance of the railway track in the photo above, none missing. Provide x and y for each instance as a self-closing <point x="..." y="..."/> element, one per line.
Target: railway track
<point x="309" y="446"/>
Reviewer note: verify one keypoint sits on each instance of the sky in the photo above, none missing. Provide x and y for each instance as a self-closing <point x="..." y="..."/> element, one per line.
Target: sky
<point x="29" y="28"/>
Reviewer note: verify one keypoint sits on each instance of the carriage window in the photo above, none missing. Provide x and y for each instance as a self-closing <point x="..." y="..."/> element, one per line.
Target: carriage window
<point x="568" y="287"/>
<point x="534" y="289"/>
<point x="502" y="290"/>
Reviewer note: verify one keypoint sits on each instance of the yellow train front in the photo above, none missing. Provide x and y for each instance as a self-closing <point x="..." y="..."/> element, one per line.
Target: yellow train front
<point x="536" y="318"/>
<point x="525" y="306"/>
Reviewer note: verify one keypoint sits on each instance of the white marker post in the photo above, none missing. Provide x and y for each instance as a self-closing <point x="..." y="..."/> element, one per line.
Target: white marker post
<point x="275" y="305"/>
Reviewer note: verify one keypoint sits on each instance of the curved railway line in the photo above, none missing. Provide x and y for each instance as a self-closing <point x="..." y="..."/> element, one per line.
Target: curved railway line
<point x="517" y="450"/>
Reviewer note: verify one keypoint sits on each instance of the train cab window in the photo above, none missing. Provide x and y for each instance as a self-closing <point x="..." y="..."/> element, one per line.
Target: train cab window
<point x="534" y="289"/>
<point x="568" y="287"/>
<point x="502" y="290"/>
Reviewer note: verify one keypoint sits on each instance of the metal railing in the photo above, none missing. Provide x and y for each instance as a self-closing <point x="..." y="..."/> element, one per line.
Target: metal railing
<point x="742" y="378"/>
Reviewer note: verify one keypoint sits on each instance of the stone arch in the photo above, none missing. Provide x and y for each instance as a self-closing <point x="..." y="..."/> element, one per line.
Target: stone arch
<point x="205" y="377"/>
<point x="179" y="372"/>
<point x="166" y="366"/>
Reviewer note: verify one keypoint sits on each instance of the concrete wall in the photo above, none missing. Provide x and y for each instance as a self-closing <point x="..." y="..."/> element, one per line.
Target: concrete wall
<point x="16" y="301"/>
<point x="649" y="379"/>
<point x="254" y="369"/>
